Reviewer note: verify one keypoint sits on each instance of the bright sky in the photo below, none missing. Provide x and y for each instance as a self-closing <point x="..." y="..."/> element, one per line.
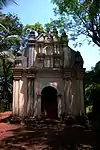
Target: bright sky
<point x="32" y="11"/>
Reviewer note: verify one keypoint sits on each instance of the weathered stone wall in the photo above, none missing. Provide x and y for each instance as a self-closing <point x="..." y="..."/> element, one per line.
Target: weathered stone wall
<point x="48" y="79"/>
<point x="48" y="61"/>
<point x="73" y="91"/>
<point x="20" y="97"/>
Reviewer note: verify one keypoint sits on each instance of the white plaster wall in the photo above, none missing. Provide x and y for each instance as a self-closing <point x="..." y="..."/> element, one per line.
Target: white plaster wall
<point x="30" y="56"/>
<point x="13" y="105"/>
<point x="21" y="98"/>
<point x="15" y="97"/>
<point x="67" y="95"/>
<point x="22" y="101"/>
<point x="30" y="97"/>
<point x="67" y="56"/>
<point x="77" y="97"/>
<point x="74" y="97"/>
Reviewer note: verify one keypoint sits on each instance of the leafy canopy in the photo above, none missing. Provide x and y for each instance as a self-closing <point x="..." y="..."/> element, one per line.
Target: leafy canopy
<point x="36" y="27"/>
<point x="5" y="3"/>
<point x="92" y="82"/>
<point x="10" y="29"/>
<point x="79" y="17"/>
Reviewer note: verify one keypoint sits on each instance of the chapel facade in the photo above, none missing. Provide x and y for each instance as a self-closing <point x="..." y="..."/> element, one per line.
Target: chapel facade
<point x="48" y="78"/>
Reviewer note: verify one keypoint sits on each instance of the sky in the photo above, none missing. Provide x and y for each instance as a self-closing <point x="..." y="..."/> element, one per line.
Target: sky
<point x="32" y="11"/>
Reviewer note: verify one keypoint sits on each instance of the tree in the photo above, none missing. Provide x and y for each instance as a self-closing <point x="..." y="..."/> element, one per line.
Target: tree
<point x="10" y="39"/>
<point x="5" y="2"/>
<point x="10" y="25"/>
<point x="36" y="27"/>
<point x="79" y="17"/>
<point x="92" y="89"/>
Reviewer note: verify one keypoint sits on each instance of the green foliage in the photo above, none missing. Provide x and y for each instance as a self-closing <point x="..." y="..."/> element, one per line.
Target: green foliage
<point x="5" y="3"/>
<point x="5" y="78"/>
<point x="89" y="109"/>
<point x="80" y="17"/>
<point x="10" y="39"/>
<point x="10" y="32"/>
<point x="92" y="92"/>
<point x="92" y="83"/>
<point x="36" y="27"/>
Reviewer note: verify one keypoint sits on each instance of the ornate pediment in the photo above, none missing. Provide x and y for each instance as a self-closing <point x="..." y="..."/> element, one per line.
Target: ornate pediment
<point x="40" y="38"/>
<point x="45" y="37"/>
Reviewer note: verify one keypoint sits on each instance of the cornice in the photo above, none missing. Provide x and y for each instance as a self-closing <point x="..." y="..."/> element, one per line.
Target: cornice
<point x="68" y="73"/>
<point x="77" y="74"/>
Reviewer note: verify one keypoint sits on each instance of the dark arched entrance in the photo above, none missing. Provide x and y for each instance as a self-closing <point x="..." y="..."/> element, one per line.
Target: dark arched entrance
<point x="49" y="102"/>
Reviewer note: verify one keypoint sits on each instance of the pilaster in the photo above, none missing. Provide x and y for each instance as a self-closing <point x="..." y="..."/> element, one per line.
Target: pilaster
<point x="16" y="88"/>
<point x="67" y="90"/>
<point x="15" y="97"/>
<point x="73" y="91"/>
<point x="30" y="91"/>
<point x="59" y="105"/>
<point x="39" y="105"/>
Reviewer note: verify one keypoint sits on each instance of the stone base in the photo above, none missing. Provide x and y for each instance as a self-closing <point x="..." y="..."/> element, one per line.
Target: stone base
<point x="16" y="120"/>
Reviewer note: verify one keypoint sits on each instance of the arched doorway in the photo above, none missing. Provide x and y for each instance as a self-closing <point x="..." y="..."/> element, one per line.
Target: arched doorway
<point x="49" y="103"/>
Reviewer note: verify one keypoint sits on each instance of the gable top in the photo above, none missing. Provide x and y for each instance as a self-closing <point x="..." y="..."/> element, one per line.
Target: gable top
<point x="47" y="37"/>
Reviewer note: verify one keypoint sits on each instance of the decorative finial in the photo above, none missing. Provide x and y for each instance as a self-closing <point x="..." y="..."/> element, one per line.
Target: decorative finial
<point x="55" y="31"/>
<point x="64" y="37"/>
<point x="32" y="34"/>
<point x="47" y="30"/>
<point x="39" y="32"/>
<point x="63" y="33"/>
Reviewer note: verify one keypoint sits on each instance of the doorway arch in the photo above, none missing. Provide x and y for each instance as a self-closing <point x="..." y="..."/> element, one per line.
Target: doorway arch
<point x="49" y="103"/>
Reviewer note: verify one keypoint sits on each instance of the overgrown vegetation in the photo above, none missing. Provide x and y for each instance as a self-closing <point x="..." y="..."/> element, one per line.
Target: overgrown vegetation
<point x="92" y="92"/>
<point x="79" y="17"/>
<point x="10" y="35"/>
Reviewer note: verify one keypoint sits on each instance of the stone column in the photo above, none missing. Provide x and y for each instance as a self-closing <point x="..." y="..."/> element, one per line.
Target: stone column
<point x="68" y="97"/>
<point x="75" y="97"/>
<point x="25" y="95"/>
<point x="81" y="98"/>
<point x="66" y="55"/>
<point x="59" y="105"/>
<point x="30" y="101"/>
<point x="15" y="97"/>
<point x="39" y="106"/>
<point x="80" y="75"/>
<point x="13" y="104"/>
<point x="67" y="92"/>
<point x="31" y="57"/>
<point x="22" y="96"/>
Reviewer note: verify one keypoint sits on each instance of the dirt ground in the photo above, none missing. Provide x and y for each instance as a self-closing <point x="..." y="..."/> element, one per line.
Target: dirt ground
<point x="47" y="136"/>
<point x="6" y="128"/>
<point x="5" y="115"/>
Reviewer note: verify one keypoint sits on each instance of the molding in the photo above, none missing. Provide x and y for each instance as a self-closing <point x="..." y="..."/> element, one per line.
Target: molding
<point x="67" y="74"/>
<point x="31" y="76"/>
<point x="77" y="74"/>
<point x="17" y="77"/>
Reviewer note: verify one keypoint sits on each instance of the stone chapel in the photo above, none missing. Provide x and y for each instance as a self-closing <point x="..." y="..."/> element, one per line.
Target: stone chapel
<point x="48" y="77"/>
